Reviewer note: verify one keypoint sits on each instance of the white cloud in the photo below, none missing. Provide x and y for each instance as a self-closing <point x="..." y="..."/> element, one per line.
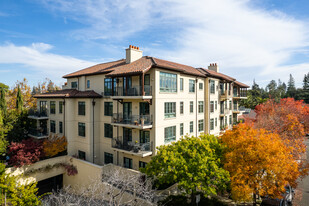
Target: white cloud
<point x="40" y="61"/>
<point x="247" y="42"/>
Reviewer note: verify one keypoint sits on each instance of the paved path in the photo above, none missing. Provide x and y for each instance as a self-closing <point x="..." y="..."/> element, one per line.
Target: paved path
<point x="302" y="191"/>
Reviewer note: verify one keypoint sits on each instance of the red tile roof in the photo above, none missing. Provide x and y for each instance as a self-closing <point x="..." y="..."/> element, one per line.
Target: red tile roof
<point x="241" y="84"/>
<point x="212" y="73"/>
<point x="69" y="93"/>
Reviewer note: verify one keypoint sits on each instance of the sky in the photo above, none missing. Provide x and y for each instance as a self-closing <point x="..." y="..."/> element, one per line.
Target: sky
<point x="248" y="39"/>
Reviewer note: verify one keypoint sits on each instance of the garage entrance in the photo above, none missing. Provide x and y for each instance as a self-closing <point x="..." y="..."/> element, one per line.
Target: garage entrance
<point x="50" y="184"/>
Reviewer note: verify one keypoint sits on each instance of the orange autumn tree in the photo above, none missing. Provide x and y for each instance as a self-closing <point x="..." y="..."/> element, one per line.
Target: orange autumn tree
<point x="54" y="145"/>
<point x="259" y="162"/>
<point x="289" y="119"/>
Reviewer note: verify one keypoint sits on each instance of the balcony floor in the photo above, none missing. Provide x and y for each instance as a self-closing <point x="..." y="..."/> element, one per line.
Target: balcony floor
<point x="36" y="117"/>
<point x="131" y="97"/>
<point x="132" y="126"/>
<point x="140" y="153"/>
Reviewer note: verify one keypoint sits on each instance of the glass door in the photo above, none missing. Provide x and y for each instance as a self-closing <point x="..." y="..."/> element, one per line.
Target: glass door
<point x="144" y="139"/>
<point x="127" y="137"/>
<point x="127" y="86"/>
<point x="127" y="112"/>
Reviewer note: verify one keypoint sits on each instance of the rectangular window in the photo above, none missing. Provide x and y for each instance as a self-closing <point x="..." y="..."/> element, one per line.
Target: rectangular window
<point x="73" y="85"/>
<point x="181" y="84"/>
<point x="81" y="129"/>
<point x="168" y="82"/>
<point x="230" y="105"/>
<point x="81" y="155"/>
<point x="108" y="158"/>
<point x="52" y="126"/>
<point x="108" y="130"/>
<point x="81" y="108"/>
<point x="52" y="107"/>
<point x="191" y="126"/>
<point x="181" y="107"/>
<point x="127" y="163"/>
<point x="211" y="124"/>
<point x="191" y="85"/>
<point x="108" y="108"/>
<point x="200" y="125"/>
<point x="181" y="128"/>
<point x="200" y="106"/>
<point x="108" y="86"/>
<point x="211" y="106"/>
<point x="60" y="107"/>
<point x="169" y="109"/>
<point x="60" y="128"/>
<point x="200" y="86"/>
<point x="230" y="119"/>
<point x="216" y="122"/>
<point x="142" y="164"/>
<point x="88" y="84"/>
<point x="225" y="104"/>
<point x="212" y="86"/>
<point x="191" y="106"/>
<point x="169" y="134"/>
<point x="225" y="120"/>
<point x="216" y="105"/>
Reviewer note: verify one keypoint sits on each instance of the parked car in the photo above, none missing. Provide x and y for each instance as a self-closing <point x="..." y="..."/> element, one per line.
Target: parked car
<point x="286" y="200"/>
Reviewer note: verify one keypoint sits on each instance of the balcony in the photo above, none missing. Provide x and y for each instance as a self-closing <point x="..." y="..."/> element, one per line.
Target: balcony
<point x="132" y="121"/>
<point x="240" y="96"/>
<point x="235" y="109"/>
<point x="224" y="112"/>
<point x="136" y="92"/>
<point x="40" y="115"/>
<point x="138" y="149"/>
<point x="38" y="133"/>
<point x="224" y="95"/>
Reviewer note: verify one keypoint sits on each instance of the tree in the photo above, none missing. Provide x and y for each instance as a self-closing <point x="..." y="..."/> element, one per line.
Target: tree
<point x="16" y="193"/>
<point x="3" y="106"/>
<point x="291" y="90"/>
<point x="258" y="161"/>
<point x="19" y="100"/>
<point x="26" y="152"/>
<point x="289" y="119"/>
<point x="193" y="162"/>
<point x="54" y="145"/>
<point x="116" y="187"/>
<point x="3" y="142"/>
<point x="305" y="91"/>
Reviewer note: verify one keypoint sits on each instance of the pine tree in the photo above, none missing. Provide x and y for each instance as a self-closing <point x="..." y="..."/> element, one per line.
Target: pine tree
<point x="3" y="105"/>
<point x="19" y="100"/>
<point x="305" y="91"/>
<point x="291" y="90"/>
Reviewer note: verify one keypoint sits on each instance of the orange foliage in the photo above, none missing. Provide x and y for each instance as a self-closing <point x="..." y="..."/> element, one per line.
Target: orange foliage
<point x="258" y="161"/>
<point x="53" y="145"/>
<point x="288" y="118"/>
<point x="29" y="101"/>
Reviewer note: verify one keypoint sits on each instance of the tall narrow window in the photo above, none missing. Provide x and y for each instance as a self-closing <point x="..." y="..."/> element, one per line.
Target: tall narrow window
<point x="81" y="108"/>
<point x="230" y="105"/>
<point x="127" y="163"/>
<point x="181" y="84"/>
<point x="60" y="107"/>
<point x="200" y="86"/>
<point x="191" y="106"/>
<point x="81" y="129"/>
<point x="181" y="107"/>
<point x="52" y="107"/>
<point x="168" y="82"/>
<point x="191" y="85"/>
<point x="211" y="106"/>
<point x="200" y="106"/>
<point x="225" y="120"/>
<point x="230" y="119"/>
<point x="88" y="84"/>
<point x="216" y="105"/>
<point x="200" y="125"/>
<point x="212" y="86"/>
<point x="216" y="122"/>
<point x="52" y="126"/>
<point x="108" y="86"/>
<point x="191" y="126"/>
<point x="169" y="134"/>
<point x="181" y="128"/>
<point x="169" y="109"/>
<point x="108" y="130"/>
<point x="108" y="108"/>
<point x="60" y="128"/>
<point x="211" y="124"/>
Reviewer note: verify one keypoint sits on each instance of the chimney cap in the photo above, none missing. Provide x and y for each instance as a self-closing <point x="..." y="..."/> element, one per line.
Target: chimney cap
<point x="133" y="47"/>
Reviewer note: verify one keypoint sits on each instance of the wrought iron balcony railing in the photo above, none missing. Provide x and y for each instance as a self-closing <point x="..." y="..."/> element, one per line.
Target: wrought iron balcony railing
<point x="137" y="120"/>
<point x="118" y="143"/>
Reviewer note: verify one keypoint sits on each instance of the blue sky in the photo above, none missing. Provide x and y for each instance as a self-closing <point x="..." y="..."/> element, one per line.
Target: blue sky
<point x="261" y="39"/>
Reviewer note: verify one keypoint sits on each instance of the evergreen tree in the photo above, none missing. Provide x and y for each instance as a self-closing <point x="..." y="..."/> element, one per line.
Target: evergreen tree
<point x="19" y="100"/>
<point x="3" y="105"/>
<point x="291" y="90"/>
<point x="281" y="89"/>
<point x="305" y="91"/>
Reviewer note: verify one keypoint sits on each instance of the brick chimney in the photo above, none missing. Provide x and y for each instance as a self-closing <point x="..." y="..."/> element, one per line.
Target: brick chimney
<point x="133" y="53"/>
<point x="214" y="67"/>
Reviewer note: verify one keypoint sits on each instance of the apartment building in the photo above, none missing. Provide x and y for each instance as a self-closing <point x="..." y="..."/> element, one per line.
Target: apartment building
<point x="119" y="112"/>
